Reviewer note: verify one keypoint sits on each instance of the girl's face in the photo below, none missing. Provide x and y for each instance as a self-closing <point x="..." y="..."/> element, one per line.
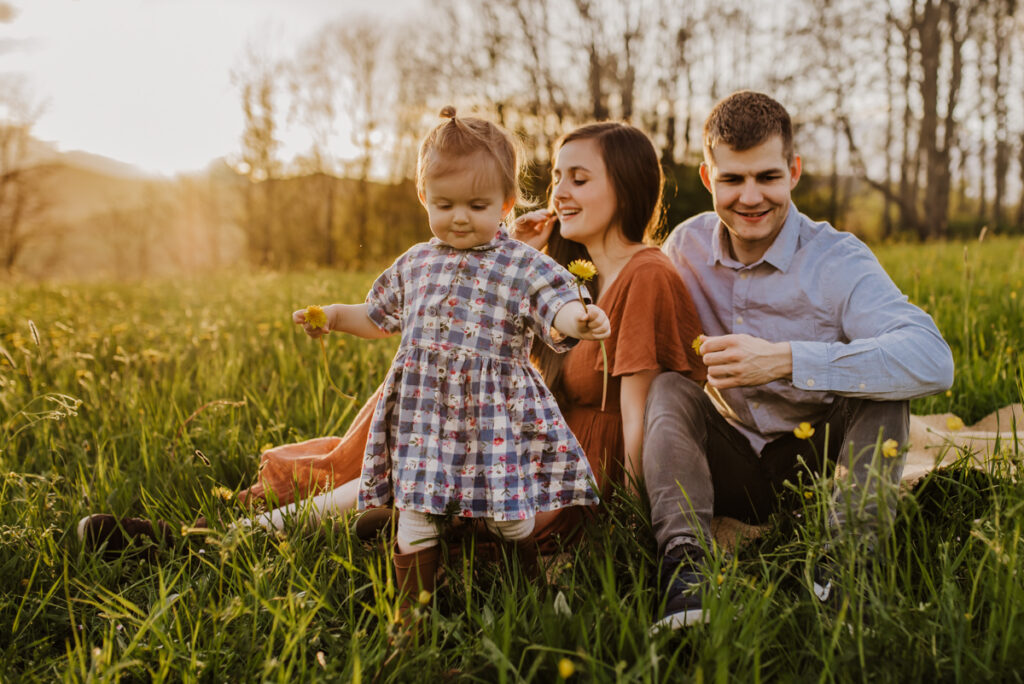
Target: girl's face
<point x="582" y="195"/>
<point x="464" y="206"/>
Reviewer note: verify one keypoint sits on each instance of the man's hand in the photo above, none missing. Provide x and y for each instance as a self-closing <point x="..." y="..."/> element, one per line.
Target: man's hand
<point x="745" y="360"/>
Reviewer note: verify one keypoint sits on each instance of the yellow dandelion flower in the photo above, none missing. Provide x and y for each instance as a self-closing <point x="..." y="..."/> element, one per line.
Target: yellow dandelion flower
<point x="222" y="493"/>
<point x="566" y="668"/>
<point x="949" y="393"/>
<point x="808" y="495"/>
<point x="890" y="448"/>
<point x="720" y="579"/>
<point x="803" y="431"/>
<point x="583" y="270"/>
<point x="316" y="317"/>
<point x="697" y="341"/>
<point x="953" y="423"/>
<point x="1013" y="295"/>
<point x="424" y="597"/>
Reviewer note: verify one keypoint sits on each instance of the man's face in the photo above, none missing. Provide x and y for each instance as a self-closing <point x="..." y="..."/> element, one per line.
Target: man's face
<point x="751" y="191"/>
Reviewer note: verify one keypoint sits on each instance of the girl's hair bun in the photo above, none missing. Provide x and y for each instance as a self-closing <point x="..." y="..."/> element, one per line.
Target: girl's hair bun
<point x="448" y="112"/>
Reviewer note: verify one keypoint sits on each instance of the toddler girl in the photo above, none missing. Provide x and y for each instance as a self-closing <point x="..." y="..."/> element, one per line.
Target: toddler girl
<point x="465" y="424"/>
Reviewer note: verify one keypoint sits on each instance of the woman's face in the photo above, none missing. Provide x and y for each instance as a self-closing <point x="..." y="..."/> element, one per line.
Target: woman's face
<point x="582" y="195"/>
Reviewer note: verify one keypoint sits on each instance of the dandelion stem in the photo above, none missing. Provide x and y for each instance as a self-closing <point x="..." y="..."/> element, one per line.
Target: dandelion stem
<point x="604" y="352"/>
<point x="327" y="372"/>
<point x="604" y="386"/>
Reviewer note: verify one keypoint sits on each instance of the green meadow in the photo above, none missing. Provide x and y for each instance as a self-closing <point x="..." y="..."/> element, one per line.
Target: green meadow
<point x="154" y="398"/>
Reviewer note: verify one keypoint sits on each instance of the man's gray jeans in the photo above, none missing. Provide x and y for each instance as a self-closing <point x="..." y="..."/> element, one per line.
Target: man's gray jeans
<point x="696" y="465"/>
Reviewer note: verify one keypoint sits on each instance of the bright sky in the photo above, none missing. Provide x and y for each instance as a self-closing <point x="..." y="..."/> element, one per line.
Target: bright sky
<point x="147" y="82"/>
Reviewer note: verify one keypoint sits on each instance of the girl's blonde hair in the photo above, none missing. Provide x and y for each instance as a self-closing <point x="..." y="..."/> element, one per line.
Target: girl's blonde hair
<point x="449" y="143"/>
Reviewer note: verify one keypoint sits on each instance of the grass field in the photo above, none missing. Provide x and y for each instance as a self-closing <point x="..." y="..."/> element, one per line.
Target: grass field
<point x="99" y="389"/>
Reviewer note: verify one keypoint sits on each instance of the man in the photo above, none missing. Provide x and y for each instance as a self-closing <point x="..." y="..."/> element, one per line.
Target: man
<point x="802" y="326"/>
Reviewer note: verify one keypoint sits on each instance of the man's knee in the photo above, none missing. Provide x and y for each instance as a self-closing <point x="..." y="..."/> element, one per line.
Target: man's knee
<point x="868" y="419"/>
<point x="675" y="394"/>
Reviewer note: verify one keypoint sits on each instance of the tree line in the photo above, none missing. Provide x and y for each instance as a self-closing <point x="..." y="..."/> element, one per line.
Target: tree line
<point x="909" y="114"/>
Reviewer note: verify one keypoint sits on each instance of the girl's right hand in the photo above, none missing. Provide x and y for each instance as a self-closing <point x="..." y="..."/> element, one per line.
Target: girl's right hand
<point x="534" y="228"/>
<point x="299" y="318"/>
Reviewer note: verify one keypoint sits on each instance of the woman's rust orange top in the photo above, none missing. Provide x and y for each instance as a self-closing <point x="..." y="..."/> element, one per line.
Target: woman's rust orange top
<point x="654" y="323"/>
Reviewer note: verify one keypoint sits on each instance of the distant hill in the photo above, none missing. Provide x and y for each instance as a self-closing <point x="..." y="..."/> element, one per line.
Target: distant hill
<point x="106" y="219"/>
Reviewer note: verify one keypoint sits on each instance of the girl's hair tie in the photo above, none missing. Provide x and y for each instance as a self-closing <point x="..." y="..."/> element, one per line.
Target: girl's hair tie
<point x="448" y="112"/>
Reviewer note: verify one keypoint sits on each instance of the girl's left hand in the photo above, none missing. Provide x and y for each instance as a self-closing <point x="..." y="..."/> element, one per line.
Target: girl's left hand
<point x="593" y="324"/>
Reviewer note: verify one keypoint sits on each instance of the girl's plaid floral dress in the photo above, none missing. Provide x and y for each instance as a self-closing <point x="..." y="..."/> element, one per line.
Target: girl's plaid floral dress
<point x="464" y="422"/>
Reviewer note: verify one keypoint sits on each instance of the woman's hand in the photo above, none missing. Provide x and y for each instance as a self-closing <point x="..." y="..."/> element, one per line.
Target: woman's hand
<point x="299" y="318"/>
<point x="534" y="228"/>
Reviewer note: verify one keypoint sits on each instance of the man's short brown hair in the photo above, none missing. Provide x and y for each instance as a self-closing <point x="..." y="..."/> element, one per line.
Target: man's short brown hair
<point x="746" y="119"/>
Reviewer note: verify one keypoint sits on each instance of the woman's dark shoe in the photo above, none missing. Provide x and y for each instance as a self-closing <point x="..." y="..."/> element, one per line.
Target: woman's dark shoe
<point x="117" y="536"/>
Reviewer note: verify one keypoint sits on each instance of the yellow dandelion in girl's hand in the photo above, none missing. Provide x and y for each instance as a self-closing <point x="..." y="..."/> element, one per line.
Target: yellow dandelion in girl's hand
<point x="566" y="668"/>
<point x="697" y="341"/>
<point x="315" y="317"/>
<point x="953" y="423"/>
<point x="583" y="270"/>
<point x="890" y="448"/>
<point x="803" y="431"/>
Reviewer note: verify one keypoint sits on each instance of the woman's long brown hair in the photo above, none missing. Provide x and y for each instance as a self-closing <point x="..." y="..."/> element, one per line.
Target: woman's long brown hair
<point x="637" y="180"/>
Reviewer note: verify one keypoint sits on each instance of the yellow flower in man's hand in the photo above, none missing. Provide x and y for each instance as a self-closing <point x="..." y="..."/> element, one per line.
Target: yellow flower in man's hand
<point x="697" y="341"/>
<point x="803" y="431"/>
<point x="953" y="423"/>
<point x="890" y="448"/>
<point x="315" y="317"/>
<point x="583" y="270"/>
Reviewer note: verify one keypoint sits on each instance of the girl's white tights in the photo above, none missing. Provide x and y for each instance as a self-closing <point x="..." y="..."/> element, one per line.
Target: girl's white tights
<point x="416" y="531"/>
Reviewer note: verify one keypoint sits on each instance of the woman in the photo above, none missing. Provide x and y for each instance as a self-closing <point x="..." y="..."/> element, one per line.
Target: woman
<point x="605" y="203"/>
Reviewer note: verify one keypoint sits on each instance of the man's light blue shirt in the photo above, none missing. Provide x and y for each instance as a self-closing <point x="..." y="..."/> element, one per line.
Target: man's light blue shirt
<point x="852" y="331"/>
